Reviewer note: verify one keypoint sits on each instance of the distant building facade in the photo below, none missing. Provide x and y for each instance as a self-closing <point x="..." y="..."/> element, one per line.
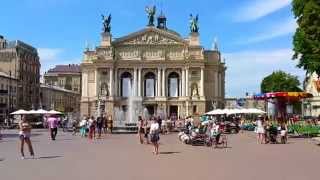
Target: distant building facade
<point x="64" y="76"/>
<point x="53" y="97"/>
<point x="153" y="71"/>
<point x="22" y="62"/>
<point x="8" y="95"/>
<point x="247" y="102"/>
<point x="311" y="106"/>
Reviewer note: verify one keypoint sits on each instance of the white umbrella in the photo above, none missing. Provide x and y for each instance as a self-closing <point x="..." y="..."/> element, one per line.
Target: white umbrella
<point x="53" y="112"/>
<point x="32" y="112"/>
<point x="254" y="111"/>
<point x="41" y="111"/>
<point x="234" y="111"/>
<point x="215" y="112"/>
<point x="19" y="112"/>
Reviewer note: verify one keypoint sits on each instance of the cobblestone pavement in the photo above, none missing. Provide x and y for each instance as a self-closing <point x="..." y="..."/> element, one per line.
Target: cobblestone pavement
<point x="121" y="157"/>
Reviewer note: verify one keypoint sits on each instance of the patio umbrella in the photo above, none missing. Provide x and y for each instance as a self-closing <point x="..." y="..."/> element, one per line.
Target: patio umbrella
<point x="19" y="112"/>
<point x="235" y="111"/>
<point x="54" y="112"/>
<point x="215" y="112"/>
<point x="42" y="111"/>
<point x="32" y="112"/>
<point x="253" y="111"/>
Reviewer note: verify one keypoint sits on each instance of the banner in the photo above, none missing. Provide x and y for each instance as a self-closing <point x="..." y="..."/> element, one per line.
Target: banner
<point x="126" y="87"/>
<point x="150" y="87"/>
<point x="173" y="87"/>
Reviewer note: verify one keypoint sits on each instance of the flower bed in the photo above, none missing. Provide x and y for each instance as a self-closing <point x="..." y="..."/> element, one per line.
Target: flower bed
<point x="305" y="129"/>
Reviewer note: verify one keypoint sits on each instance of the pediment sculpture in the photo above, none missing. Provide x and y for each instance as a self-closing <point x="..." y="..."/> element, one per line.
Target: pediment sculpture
<point x="151" y="38"/>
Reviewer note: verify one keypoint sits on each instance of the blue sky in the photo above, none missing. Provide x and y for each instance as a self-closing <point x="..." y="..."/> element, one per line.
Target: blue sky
<point x="255" y="36"/>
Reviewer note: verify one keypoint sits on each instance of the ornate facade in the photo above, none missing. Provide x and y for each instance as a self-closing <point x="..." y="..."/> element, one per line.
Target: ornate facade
<point x="22" y="62"/>
<point x="152" y="71"/>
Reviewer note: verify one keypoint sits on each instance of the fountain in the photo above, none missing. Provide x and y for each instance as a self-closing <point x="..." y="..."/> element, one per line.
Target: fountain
<point x="126" y="117"/>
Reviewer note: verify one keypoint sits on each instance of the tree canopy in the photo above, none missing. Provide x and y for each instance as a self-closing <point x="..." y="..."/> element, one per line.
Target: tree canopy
<point x="306" y="40"/>
<point x="280" y="81"/>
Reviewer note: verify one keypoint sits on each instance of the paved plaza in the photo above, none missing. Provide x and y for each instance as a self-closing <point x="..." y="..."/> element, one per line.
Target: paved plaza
<point x="120" y="157"/>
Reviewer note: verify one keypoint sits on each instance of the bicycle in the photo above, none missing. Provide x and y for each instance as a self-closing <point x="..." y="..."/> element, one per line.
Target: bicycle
<point x="223" y="140"/>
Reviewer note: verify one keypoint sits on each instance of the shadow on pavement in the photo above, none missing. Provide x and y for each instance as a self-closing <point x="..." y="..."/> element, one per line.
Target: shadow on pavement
<point x="219" y="147"/>
<point x="1" y="159"/>
<point x="169" y="152"/>
<point x="17" y="135"/>
<point x="49" y="157"/>
<point x="64" y="139"/>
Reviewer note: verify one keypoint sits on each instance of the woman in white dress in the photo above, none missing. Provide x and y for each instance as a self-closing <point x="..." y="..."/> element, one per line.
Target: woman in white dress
<point x="154" y="135"/>
<point x="260" y="130"/>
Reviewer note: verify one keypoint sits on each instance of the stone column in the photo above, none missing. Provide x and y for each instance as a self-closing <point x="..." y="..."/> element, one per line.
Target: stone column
<point x="183" y="89"/>
<point x="97" y="83"/>
<point x="187" y="108"/>
<point x="187" y="82"/>
<point x="116" y="84"/>
<point x="219" y="84"/>
<point x="163" y="82"/>
<point x="202" y="82"/>
<point x="139" y="82"/>
<point x="159" y="83"/>
<point x="134" y="89"/>
<point x="216" y="84"/>
<point x="111" y="87"/>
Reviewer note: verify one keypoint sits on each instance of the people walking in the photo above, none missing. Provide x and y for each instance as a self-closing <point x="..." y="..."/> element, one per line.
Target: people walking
<point x="24" y="135"/>
<point x="154" y="135"/>
<point x="53" y="126"/>
<point x="65" y="124"/>
<point x="100" y="123"/>
<point x="83" y="126"/>
<point x="283" y="132"/>
<point x="74" y="127"/>
<point x="140" y="129"/>
<point x="147" y="130"/>
<point x="92" y="128"/>
<point x="260" y="131"/>
<point x="159" y="121"/>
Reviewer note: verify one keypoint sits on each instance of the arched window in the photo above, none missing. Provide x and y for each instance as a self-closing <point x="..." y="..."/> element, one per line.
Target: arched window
<point x="126" y="89"/>
<point x="173" y="84"/>
<point x="149" y="84"/>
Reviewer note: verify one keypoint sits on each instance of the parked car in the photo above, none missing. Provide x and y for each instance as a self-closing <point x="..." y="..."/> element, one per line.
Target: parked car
<point x="37" y="124"/>
<point x="231" y="127"/>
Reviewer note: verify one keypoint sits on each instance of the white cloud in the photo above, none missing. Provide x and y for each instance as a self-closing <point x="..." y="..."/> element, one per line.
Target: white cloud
<point x="49" y="54"/>
<point x="246" y="69"/>
<point x="50" y="57"/>
<point x="276" y="30"/>
<point x="258" y="9"/>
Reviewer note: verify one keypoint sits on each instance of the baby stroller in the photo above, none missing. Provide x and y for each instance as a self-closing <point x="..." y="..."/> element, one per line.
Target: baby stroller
<point x="273" y="133"/>
<point x="199" y="138"/>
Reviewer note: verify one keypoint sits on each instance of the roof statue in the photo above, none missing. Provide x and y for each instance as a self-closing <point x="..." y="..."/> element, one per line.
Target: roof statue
<point x="215" y="44"/>
<point x="194" y="27"/>
<point x="151" y="11"/>
<point x="106" y="23"/>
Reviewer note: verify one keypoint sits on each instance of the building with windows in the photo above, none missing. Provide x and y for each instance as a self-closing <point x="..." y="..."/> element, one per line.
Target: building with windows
<point x="64" y="76"/>
<point x="8" y="95"/>
<point x="153" y="71"/>
<point x="21" y="61"/>
<point x="57" y="98"/>
<point x="311" y="106"/>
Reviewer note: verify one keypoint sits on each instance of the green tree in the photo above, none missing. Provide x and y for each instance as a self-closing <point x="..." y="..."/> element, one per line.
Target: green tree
<point x="280" y="81"/>
<point x="306" y="40"/>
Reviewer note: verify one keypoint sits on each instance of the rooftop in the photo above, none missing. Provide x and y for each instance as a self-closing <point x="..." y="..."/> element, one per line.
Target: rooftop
<point x="70" y="68"/>
<point x="3" y="74"/>
<point x="57" y="88"/>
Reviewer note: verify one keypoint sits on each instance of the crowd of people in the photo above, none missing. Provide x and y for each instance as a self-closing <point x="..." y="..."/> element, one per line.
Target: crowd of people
<point x="149" y="129"/>
<point x="268" y="132"/>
